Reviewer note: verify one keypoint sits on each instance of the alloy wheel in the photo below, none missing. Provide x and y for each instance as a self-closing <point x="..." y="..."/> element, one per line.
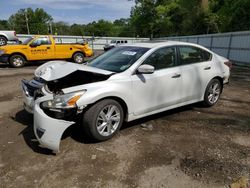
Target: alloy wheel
<point x="108" y="120"/>
<point x="17" y="61"/>
<point x="214" y="92"/>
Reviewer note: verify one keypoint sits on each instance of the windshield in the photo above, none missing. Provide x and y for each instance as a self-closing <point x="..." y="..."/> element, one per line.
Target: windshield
<point x="118" y="59"/>
<point x="113" y="41"/>
<point x="27" y="40"/>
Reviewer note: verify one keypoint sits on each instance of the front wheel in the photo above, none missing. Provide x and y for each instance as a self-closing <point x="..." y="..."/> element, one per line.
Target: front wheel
<point x="17" y="61"/>
<point x="103" y="120"/>
<point x="78" y="58"/>
<point x="212" y="93"/>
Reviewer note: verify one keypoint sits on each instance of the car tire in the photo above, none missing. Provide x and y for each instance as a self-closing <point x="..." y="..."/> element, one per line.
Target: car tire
<point x="78" y="58"/>
<point x="3" y="41"/>
<point x="212" y="93"/>
<point x="103" y="120"/>
<point x="17" y="61"/>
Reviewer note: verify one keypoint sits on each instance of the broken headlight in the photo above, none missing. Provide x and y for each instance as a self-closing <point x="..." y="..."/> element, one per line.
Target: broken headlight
<point x="63" y="101"/>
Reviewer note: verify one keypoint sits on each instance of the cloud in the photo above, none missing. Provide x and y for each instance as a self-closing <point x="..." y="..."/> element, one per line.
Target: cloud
<point x="73" y="11"/>
<point x="115" y="5"/>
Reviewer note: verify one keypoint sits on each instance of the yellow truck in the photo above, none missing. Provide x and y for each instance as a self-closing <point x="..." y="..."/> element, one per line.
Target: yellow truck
<point x="40" y="48"/>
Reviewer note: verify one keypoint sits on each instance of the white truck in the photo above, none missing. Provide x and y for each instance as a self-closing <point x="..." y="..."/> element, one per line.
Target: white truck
<point x="6" y="36"/>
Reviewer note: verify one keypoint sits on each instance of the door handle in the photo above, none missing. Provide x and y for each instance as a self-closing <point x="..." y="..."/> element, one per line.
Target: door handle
<point x="48" y="47"/>
<point x="207" y="68"/>
<point x="176" y="76"/>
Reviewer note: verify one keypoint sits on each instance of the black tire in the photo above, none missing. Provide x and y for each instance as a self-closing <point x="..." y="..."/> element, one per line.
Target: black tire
<point x="91" y="120"/>
<point x="211" y="95"/>
<point x="3" y="41"/>
<point x="17" y="61"/>
<point x="78" y="58"/>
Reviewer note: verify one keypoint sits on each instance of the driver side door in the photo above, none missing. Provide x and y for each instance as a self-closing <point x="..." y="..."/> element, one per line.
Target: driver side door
<point x="161" y="89"/>
<point x="41" y="48"/>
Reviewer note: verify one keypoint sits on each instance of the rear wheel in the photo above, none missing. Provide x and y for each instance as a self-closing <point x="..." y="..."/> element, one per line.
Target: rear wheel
<point x="212" y="93"/>
<point x="78" y="58"/>
<point x="3" y="41"/>
<point x="17" y="61"/>
<point x="103" y="120"/>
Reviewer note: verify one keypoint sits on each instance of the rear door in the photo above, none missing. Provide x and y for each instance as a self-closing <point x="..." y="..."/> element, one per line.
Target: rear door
<point x="41" y="48"/>
<point x="196" y="69"/>
<point x="162" y="88"/>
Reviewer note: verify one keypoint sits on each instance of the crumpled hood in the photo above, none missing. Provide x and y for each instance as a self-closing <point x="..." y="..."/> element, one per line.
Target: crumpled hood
<point x="58" y="69"/>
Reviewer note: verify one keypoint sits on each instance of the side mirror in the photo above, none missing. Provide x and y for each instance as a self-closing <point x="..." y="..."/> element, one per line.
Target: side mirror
<point x="146" y="69"/>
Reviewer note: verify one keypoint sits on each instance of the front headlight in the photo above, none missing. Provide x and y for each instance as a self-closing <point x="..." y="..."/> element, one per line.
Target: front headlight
<point x="64" y="101"/>
<point x="2" y="52"/>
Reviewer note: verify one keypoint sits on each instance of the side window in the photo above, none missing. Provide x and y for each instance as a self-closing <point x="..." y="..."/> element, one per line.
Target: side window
<point x="41" y="41"/>
<point x="118" y="42"/>
<point x="126" y="41"/>
<point x="162" y="58"/>
<point x="122" y="41"/>
<point x="189" y="54"/>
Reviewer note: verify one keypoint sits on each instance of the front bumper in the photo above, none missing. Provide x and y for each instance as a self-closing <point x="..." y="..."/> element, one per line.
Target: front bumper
<point x="4" y="58"/>
<point x="48" y="130"/>
<point x="31" y="90"/>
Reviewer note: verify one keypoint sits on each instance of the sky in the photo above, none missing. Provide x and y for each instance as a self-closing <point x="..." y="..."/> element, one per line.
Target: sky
<point x="72" y="11"/>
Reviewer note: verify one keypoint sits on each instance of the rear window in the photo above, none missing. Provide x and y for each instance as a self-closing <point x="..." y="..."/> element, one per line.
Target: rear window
<point x="190" y="54"/>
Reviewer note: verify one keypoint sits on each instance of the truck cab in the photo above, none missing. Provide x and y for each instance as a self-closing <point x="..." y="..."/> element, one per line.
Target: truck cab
<point x="39" y="48"/>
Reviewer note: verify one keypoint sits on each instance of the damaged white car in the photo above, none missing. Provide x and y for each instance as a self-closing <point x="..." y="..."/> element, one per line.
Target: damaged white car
<point x="123" y="84"/>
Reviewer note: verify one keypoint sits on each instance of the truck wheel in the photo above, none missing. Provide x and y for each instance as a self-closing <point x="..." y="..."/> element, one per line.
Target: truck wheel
<point x="103" y="120"/>
<point x="78" y="58"/>
<point x="3" y="41"/>
<point x="17" y="61"/>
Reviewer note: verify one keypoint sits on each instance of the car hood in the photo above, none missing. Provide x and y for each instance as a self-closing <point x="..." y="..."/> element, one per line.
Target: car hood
<point x="54" y="70"/>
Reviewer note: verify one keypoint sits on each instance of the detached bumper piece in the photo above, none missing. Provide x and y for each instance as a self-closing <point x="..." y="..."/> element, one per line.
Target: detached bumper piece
<point x="49" y="130"/>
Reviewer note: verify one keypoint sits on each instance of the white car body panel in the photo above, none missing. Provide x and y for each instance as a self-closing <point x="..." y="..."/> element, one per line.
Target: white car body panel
<point x="9" y="35"/>
<point x="156" y="91"/>
<point x="143" y="94"/>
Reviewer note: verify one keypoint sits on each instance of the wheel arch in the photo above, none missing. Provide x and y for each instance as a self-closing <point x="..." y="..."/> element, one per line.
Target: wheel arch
<point x="2" y="35"/>
<point x="120" y="101"/>
<point x="78" y="52"/>
<point x="18" y="53"/>
<point x="220" y="79"/>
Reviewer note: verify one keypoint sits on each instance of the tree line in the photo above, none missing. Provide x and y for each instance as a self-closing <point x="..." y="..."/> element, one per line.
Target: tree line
<point x="148" y="18"/>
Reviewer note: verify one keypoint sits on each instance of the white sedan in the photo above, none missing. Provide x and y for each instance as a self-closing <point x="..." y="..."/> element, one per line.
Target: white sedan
<point x="123" y="84"/>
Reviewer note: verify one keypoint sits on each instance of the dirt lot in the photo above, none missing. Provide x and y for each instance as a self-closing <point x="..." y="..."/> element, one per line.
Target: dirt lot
<point x="190" y="146"/>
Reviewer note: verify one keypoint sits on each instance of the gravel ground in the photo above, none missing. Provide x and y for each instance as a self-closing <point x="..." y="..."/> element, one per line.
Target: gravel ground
<point x="190" y="146"/>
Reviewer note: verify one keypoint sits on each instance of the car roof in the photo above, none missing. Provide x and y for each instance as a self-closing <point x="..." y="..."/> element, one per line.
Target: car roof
<point x="156" y="44"/>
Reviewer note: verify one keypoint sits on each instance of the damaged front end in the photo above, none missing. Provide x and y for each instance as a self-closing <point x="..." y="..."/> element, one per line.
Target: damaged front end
<point x="54" y="111"/>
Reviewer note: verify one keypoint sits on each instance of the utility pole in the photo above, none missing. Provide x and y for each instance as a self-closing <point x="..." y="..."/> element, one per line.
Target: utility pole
<point x="27" y="21"/>
<point x="50" y="25"/>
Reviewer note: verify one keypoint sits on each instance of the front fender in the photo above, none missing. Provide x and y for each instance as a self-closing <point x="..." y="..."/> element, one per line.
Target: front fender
<point x="113" y="90"/>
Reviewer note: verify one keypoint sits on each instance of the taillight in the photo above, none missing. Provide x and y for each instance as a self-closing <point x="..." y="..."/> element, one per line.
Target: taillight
<point x="229" y="64"/>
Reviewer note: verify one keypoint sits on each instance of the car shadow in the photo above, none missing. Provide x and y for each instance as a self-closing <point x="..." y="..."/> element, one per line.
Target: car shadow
<point x="76" y="131"/>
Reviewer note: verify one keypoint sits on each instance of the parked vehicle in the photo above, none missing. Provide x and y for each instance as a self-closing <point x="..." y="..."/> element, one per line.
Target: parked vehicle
<point x="43" y="48"/>
<point x="113" y="44"/>
<point x="124" y="84"/>
<point x="6" y="36"/>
